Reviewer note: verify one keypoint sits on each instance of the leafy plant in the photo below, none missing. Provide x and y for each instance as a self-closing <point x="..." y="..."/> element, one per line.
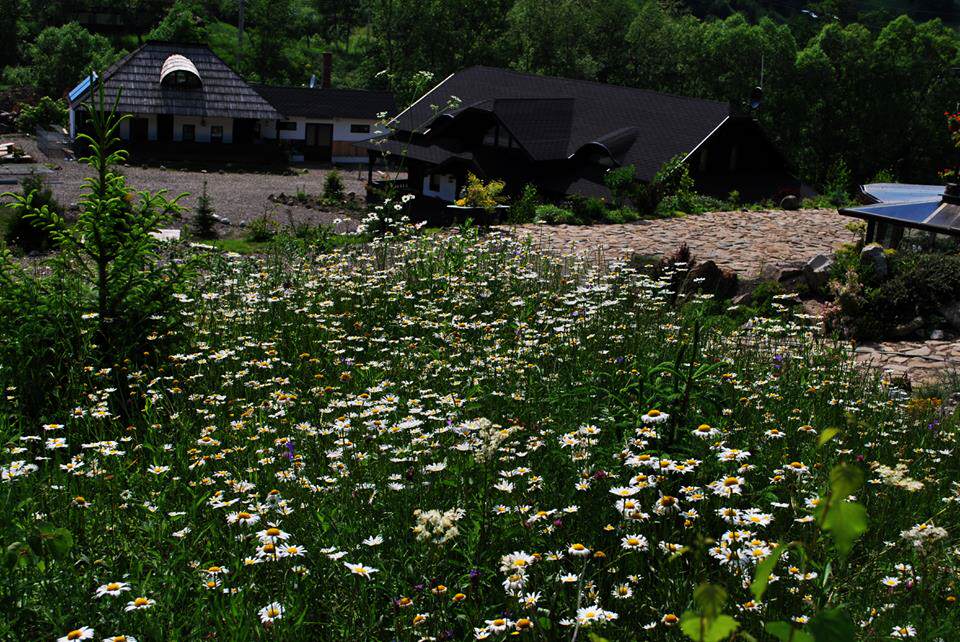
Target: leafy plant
<point x="548" y="213"/>
<point x="262" y="229"/>
<point x="23" y="231"/>
<point x="333" y="187"/>
<point x="524" y="208"/>
<point x="107" y="265"/>
<point x="476" y="193"/>
<point x="204" y="220"/>
<point x="48" y="111"/>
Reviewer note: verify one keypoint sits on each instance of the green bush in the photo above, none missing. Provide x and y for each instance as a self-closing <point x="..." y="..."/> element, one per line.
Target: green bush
<point x="46" y="112"/>
<point x="524" y="208"/>
<point x="916" y="285"/>
<point x="23" y="232"/>
<point x="622" y="215"/>
<point x="548" y="213"/>
<point x="333" y="187"/>
<point x="588" y="209"/>
<point x="204" y="221"/>
<point x="622" y="183"/>
<point x="262" y="229"/>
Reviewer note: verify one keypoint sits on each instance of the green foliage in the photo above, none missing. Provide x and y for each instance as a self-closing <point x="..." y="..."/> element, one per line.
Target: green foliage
<point x="839" y="184"/>
<point x="524" y="208"/>
<point x="588" y="209"/>
<point x="204" y="219"/>
<point x="61" y="56"/>
<point x="262" y="229"/>
<point x="476" y="193"/>
<point x="106" y="273"/>
<point x="181" y="24"/>
<point x="22" y="230"/>
<point x="549" y="213"/>
<point x="622" y="183"/>
<point x="916" y="285"/>
<point x="46" y="112"/>
<point x="333" y="187"/>
<point x="708" y="623"/>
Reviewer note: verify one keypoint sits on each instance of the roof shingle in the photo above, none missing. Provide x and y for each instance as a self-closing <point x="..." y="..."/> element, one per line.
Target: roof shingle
<point x="223" y="92"/>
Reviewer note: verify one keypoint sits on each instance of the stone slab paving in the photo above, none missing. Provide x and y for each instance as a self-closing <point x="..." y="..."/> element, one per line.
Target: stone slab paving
<point x="918" y="361"/>
<point x="748" y="242"/>
<point x="745" y="242"/>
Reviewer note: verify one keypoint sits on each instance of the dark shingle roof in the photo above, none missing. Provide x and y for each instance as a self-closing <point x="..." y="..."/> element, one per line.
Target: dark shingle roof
<point x="328" y="103"/>
<point x="553" y="118"/>
<point x="223" y="92"/>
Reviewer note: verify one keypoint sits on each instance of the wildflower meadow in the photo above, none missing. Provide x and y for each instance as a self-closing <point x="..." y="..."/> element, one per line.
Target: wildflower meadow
<point x="457" y="437"/>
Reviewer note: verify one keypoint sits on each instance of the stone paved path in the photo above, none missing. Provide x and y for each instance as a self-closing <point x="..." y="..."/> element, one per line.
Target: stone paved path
<point x="918" y="361"/>
<point x="745" y="242"/>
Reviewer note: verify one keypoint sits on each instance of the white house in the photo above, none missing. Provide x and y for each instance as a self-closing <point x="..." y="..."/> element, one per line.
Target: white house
<point x="184" y="100"/>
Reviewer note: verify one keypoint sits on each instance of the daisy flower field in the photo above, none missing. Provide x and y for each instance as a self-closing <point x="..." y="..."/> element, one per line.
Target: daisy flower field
<point x="457" y="437"/>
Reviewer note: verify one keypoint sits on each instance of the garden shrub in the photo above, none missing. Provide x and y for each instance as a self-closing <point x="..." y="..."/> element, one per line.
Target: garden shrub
<point x="333" y="186"/>
<point x="549" y="213"/>
<point x="622" y="215"/>
<point x="262" y="229"/>
<point x="46" y="112"/>
<point x="917" y="285"/>
<point x="587" y="209"/>
<point x="24" y="232"/>
<point x="476" y="193"/>
<point x="524" y="208"/>
<point x="204" y="221"/>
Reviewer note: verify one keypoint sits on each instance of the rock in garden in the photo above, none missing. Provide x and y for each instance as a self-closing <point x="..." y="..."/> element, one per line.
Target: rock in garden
<point x="873" y="256"/>
<point x="817" y="272"/>
<point x="709" y="278"/>
<point x="952" y="314"/>
<point x="790" y="202"/>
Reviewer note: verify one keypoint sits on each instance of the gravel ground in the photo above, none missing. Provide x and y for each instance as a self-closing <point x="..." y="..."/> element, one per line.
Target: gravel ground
<point x="238" y="196"/>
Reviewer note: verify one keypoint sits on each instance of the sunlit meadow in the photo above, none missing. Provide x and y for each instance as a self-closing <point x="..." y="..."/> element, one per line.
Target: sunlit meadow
<point x="456" y="438"/>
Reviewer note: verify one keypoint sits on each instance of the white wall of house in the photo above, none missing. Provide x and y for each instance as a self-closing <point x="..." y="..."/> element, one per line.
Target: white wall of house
<point x="341" y="132"/>
<point x="202" y="128"/>
<point x="446" y="184"/>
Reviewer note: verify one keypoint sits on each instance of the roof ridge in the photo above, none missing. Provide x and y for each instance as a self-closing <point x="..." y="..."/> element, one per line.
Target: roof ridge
<point x="320" y="89"/>
<point x="584" y="81"/>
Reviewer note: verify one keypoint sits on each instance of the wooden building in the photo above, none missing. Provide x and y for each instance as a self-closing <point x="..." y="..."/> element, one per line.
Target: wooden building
<point x="184" y="101"/>
<point x="563" y="136"/>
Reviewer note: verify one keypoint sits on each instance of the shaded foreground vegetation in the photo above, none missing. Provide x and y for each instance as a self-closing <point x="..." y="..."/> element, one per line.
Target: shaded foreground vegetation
<point x="457" y="437"/>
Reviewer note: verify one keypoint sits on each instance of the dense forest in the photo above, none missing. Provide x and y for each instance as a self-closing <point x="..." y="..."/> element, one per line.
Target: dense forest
<point x="851" y="89"/>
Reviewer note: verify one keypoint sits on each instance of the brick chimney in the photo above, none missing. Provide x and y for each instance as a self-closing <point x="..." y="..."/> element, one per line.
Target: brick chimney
<point x="327" y="69"/>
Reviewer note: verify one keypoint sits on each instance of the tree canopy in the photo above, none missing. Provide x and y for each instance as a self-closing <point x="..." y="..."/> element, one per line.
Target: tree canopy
<point x="841" y="81"/>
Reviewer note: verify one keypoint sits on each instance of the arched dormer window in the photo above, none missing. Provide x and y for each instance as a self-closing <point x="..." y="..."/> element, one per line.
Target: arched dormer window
<point x="180" y="73"/>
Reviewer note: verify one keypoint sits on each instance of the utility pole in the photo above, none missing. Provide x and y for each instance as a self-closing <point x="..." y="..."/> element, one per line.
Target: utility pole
<point x="240" y="36"/>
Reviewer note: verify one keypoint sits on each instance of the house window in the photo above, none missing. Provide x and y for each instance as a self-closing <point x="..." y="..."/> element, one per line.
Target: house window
<point x="287" y="126"/>
<point x="189" y="133"/>
<point x="216" y="133"/>
<point x="434" y="183"/>
<point x="490" y="138"/>
<point x="357" y="128"/>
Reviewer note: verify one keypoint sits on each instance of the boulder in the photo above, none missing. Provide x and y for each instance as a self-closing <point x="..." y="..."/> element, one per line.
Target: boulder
<point x="817" y="272"/>
<point x="952" y="314"/>
<point x="790" y="202"/>
<point x="873" y="256"/>
<point x="788" y="275"/>
<point x="709" y="278"/>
